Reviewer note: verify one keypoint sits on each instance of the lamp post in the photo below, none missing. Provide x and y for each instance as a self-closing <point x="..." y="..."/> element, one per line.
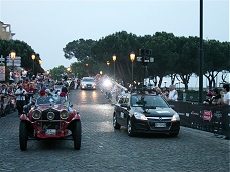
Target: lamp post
<point x="132" y="58"/>
<point x="108" y="63"/>
<point x="12" y="56"/>
<point x="33" y="58"/>
<point x="101" y="72"/>
<point x="114" y="59"/>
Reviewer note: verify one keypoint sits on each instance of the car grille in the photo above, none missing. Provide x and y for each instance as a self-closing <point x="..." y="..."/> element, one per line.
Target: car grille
<point x="89" y="85"/>
<point x="159" y="120"/>
<point x="55" y="123"/>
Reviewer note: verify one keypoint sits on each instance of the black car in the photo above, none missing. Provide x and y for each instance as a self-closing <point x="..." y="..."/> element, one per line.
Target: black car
<point x="145" y="113"/>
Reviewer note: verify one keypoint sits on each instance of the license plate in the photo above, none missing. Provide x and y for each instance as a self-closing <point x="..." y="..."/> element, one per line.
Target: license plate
<point x="160" y="125"/>
<point x="50" y="132"/>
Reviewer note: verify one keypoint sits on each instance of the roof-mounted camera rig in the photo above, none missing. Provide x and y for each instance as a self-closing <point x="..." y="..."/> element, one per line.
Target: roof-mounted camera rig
<point x="145" y="58"/>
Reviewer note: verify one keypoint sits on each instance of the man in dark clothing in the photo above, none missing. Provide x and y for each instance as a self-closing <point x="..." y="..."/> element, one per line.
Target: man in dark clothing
<point x="216" y="99"/>
<point x="65" y="90"/>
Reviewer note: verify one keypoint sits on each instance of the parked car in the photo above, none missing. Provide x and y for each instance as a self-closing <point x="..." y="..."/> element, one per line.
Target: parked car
<point x="143" y="112"/>
<point x="49" y="120"/>
<point x="88" y="83"/>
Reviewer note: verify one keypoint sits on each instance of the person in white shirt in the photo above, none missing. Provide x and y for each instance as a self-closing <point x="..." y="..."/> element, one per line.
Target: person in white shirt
<point x="20" y="98"/>
<point x="24" y="73"/>
<point x="12" y="76"/>
<point x="225" y="99"/>
<point x="173" y="95"/>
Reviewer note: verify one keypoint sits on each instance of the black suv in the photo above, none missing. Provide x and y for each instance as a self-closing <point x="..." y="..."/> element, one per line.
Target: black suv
<point x="144" y="112"/>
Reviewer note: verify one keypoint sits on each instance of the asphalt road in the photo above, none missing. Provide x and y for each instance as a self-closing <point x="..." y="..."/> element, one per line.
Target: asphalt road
<point x="106" y="149"/>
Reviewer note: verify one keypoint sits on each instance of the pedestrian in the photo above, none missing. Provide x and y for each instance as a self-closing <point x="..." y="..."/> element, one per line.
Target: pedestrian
<point x="216" y="99"/>
<point x="173" y="95"/>
<point x="225" y="97"/>
<point x="12" y="77"/>
<point x="20" y="99"/>
<point x="208" y="98"/>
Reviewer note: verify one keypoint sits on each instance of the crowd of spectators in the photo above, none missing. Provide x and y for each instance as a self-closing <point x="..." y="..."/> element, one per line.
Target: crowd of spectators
<point x="21" y="91"/>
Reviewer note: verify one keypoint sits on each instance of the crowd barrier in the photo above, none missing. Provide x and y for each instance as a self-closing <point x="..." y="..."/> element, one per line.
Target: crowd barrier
<point x="210" y="118"/>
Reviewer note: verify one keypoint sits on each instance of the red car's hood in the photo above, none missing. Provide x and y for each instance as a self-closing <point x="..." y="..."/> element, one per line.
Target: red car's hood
<point x="56" y="107"/>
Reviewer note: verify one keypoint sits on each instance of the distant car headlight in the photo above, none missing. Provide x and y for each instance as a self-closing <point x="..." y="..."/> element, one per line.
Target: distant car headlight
<point x="36" y="114"/>
<point x="107" y="83"/>
<point x="140" y="116"/>
<point x="50" y="115"/>
<point x="175" y="117"/>
<point x="64" y="114"/>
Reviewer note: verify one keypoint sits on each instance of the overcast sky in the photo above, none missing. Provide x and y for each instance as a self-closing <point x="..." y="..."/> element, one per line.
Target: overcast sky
<point x="49" y="25"/>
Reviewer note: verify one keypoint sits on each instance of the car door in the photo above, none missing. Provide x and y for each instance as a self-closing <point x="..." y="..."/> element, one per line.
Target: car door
<point x="125" y="110"/>
<point x="119" y="110"/>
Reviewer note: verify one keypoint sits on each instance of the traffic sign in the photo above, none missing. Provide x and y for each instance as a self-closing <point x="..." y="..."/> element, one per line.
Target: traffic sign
<point x="2" y="59"/>
<point x="16" y="58"/>
<point x="15" y="64"/>
<point x="11" y="61"/>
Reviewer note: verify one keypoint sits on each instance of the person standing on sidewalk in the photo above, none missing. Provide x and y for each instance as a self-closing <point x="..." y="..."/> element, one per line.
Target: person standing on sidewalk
<point x="225" y="97"/>
<point x="173" y="95"/>
<point x="12" y="76"/>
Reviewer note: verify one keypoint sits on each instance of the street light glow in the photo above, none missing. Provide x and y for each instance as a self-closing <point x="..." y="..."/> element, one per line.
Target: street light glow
<point x="132" y="56"/>
<point x="13" y="55"/>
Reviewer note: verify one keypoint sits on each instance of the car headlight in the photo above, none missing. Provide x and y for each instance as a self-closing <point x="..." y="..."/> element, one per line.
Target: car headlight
<point x="50" y="115"/>
<point x="175" y="117"/>
<point x="64" y="114"/>
<point x="140" y="116"/>
<point x="36" y="114"/>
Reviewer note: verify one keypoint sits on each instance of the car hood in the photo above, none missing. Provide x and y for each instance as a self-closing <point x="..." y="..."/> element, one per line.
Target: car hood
<point x="158" y="111"/>
<point x="54" y="107"/>
<point x="85" y="82"/>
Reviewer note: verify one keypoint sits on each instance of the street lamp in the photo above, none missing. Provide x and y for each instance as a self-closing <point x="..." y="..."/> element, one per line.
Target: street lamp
<point x="132" y="58"/>
<point x="12" y="56"/>
<point x="101" y="72"/>
<point x="108" y="63"/>
<point x="114" y="59"/>
<point x="69" y="69"/>
<point x="40" y="62"/>
<point x="33" y="58"/>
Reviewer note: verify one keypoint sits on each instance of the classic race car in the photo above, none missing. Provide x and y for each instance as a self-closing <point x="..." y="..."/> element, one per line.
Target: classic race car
<point x="49" y="120"/>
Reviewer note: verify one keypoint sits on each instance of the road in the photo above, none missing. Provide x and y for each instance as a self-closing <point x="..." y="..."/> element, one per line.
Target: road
<point x="105" y="149"/>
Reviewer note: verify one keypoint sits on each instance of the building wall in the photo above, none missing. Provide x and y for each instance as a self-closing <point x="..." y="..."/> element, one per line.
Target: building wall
<point x="5" y="31"/>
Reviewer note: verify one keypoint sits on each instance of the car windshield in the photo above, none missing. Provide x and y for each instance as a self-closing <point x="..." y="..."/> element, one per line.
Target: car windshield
<point x="50" y="99"/>
<point x="148" y="101"/>
<point x="88" y="80"/>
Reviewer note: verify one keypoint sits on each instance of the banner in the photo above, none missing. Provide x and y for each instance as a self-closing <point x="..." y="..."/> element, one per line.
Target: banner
<point x="2" y="73"/>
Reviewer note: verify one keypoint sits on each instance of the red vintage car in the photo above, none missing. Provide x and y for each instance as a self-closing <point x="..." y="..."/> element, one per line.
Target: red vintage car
<point x="46" y="119"/>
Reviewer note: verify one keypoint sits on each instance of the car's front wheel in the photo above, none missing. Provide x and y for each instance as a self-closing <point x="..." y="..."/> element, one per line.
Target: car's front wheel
<point x="23" y="135"/>
<point x="77" y="135"/>
<point x="115" y="124"/>
<point x="130" y="128"/>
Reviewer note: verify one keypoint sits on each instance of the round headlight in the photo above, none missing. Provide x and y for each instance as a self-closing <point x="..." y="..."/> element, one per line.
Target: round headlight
<point x="36" y="114"/>
<point x="64" y="114"/>
<point x="50" y="115"/>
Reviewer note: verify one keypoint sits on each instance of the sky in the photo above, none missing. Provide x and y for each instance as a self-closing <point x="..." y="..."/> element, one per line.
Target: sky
<point x="49" y="25"/>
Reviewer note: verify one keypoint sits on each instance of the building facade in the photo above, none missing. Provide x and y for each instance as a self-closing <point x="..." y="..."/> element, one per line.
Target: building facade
<point x="5" y="31"/>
